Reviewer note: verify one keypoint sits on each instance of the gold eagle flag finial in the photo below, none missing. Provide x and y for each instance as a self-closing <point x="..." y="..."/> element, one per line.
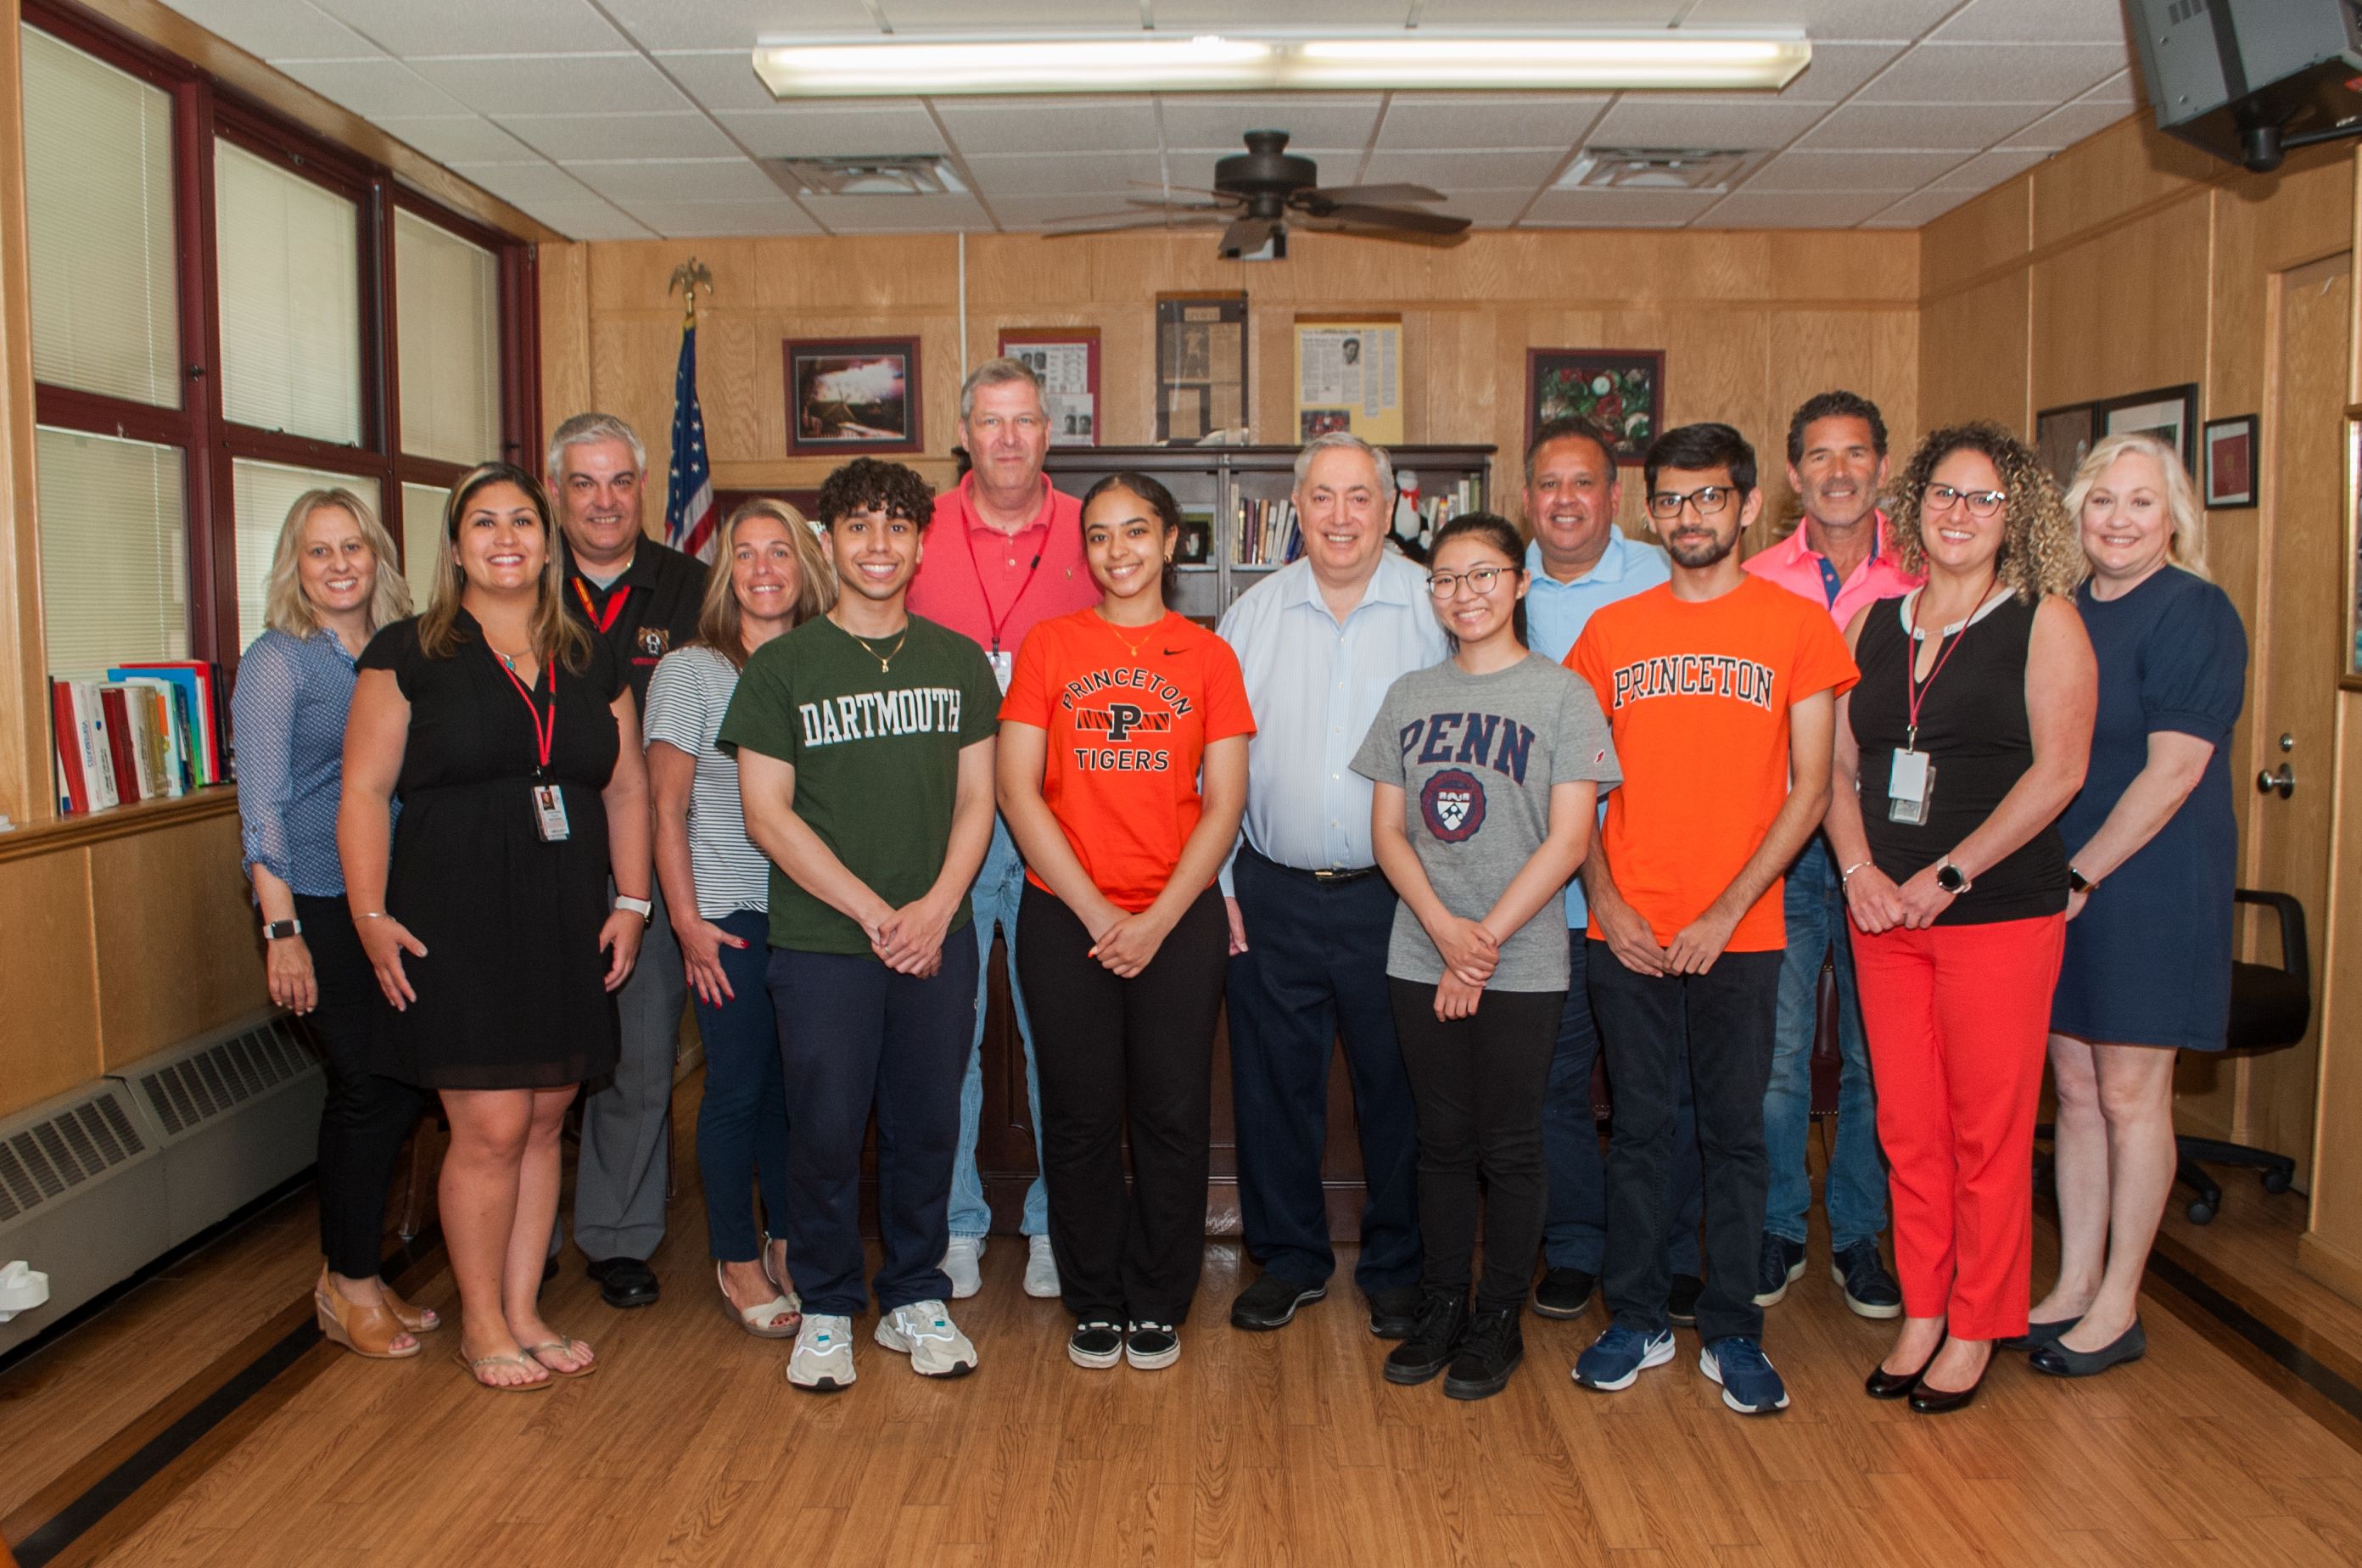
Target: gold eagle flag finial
<point x="689" y="277"/>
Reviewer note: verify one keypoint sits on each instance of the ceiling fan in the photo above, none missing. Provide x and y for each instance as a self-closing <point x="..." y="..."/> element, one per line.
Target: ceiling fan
<point x="1261" y="193"/>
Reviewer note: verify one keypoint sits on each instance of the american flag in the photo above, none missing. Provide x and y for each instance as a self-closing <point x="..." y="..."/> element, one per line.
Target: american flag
<point x="691" y="515"/>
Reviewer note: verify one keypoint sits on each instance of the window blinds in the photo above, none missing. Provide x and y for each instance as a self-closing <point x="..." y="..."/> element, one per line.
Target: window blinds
<point x="264" y="493"/>
<point x="288" y="255"/>
<point x="422" y="539"/>
<point x="447" y="306"/>
<point x="98" y="209"/>
<point x="113" y="550"/>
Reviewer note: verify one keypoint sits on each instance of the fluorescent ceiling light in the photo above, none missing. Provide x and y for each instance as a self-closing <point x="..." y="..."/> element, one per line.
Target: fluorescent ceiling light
<point x="939" y="64"/>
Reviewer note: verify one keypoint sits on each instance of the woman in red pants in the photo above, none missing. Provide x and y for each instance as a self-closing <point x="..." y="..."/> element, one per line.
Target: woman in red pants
<point x="1966" y="738"/>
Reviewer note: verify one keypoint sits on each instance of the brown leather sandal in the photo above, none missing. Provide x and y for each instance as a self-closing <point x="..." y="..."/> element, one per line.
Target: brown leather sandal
<point x="418" y="1319"/>
<point x="367" y="1330"/>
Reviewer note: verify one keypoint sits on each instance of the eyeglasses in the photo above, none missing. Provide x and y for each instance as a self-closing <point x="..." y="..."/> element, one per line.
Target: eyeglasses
<point x="1979" y="503"/>
<point x="1711" y="500"/>
<point x="1480" y="580"/>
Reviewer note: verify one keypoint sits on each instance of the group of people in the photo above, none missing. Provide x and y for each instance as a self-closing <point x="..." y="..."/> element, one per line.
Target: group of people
<point x="1555" y="796"/>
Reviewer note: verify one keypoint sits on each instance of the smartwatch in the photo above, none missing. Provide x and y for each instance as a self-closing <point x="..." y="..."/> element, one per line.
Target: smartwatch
<point x="644" y="908"/>
<point x="2078" y="882"/>
<point x="274" y="930"/>
<point x="1950" y="877"/>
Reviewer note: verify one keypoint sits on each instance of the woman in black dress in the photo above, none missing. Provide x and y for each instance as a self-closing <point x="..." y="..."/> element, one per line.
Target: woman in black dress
<point x="509" y="734"/>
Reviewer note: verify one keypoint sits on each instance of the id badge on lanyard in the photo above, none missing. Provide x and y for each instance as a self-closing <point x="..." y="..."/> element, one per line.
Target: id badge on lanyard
<point x="549" y="812"/>
<point x="1910" y="777"/>
<point x="548" y="798"/>
<point x="1004" y="665"/>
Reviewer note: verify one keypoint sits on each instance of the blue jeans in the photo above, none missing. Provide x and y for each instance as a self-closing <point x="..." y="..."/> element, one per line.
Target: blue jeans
<point x="1857" y="1181"/>
<point x="1000" y="886"/>
<point x="742" y="1123"/>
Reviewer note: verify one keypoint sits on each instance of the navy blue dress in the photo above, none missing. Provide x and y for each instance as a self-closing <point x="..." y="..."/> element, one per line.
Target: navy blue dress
<point x="2149" y="959"/>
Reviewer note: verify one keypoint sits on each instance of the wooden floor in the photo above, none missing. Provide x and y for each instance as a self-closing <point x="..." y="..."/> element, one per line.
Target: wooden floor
<point x="1281" y="1449"/>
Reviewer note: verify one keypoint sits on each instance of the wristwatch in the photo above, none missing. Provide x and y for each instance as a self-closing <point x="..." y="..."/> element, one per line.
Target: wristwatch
<point x="2078" y="882"/>
<point x="644" y="908"/>
<point x="1950" y="877"/>
<point x="272" y="930"/>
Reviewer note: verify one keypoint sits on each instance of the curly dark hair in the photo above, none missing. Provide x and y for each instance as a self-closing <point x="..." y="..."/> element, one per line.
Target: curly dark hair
<point x="1835" y="405"/>
<point x="2039" y="552"/>
<point x="872" y="484"/>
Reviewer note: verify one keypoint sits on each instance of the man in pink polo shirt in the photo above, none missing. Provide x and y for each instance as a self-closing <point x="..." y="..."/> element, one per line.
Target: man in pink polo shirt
<point x="1003" y="552"/>
<point x="1839" y="559"/>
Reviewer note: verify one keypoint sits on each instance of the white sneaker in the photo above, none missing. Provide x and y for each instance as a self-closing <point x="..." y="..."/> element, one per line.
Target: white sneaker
<point x="924" y="1332"/>
<point x="960" y="1260"/>
<point x="1041" y="1268"/>
<point x="822" y="1360"/>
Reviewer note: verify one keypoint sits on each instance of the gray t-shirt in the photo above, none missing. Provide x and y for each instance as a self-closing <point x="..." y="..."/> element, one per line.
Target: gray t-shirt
<point x="1476" y="757"/>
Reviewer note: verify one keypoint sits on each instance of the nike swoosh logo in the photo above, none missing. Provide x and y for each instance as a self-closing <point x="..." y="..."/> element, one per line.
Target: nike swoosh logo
<point x="1172" y="653"/>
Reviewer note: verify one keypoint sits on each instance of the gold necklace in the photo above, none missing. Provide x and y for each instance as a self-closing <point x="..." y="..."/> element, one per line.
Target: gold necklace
<point x="885" y="661"/>
<point x="1126" y="642"/>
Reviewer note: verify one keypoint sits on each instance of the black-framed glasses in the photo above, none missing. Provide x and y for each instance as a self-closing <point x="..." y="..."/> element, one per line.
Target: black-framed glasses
<point x="1711" y="500"/>
<point x="1480" y="580"/>
<point x="1979" y="503"/>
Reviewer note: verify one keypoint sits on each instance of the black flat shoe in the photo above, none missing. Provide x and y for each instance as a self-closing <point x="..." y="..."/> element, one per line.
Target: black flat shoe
<point x="625" y="1283"/>
<point x="1883" y="1385"/>
<point x="1929" y="1401"/>
<point x="2037" y="1335"/>
<point x="2060" y="1362"/>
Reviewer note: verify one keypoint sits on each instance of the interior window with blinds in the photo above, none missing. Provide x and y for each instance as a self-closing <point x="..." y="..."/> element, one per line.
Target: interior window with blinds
<point x="289" y="255"/>
<point x="422" y="539"/>
<point x="265" y="491"/>
<point x="98" y="209"/>
<point x="114" y="551"/>
<point x="447" y="315"/>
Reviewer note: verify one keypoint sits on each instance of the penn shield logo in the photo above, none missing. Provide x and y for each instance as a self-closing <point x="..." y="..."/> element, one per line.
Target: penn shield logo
<point x="1452" y="803"/>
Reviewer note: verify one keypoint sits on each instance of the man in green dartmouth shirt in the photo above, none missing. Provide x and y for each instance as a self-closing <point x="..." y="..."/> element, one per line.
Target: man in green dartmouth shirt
<point x="865" y="759"/>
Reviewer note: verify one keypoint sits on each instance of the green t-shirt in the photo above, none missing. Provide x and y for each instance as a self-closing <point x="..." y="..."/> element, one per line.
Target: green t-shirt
<point x="875" y="755"/>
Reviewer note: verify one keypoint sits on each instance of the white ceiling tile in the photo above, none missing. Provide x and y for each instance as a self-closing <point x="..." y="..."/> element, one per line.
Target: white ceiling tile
<point x="722" y="81"/>
<point x="1490" y="208"/>
<point x="1991" y="72"/>
<point x="1865" y="171"/>
<point x="676" y="180"/>
<point x="526" y="184"/>
<point x="459" y="139"/>
<point x="588" y="220"/>
<point x="1036" y="212"/>
<point x="1919" y="207"/>
<point x="1985" y="171"/>
<point x="658" y="25"/>
<point x="808" y="130"/>
<point x="1897" y="19"/>
<point x="2124" y="87"/>
<point x="374" y="87"/>
<point x="695" y="219"/>
<point x="2038" y="21"/>
<point x="1181" y="15"/>
<point x="1418" y="122"/>
<point x="898" y="215"/>
<point x="686" y="134"/>
<point x="1448" y="171"/>
<point x="2064" y="128"/>
<point x="553" y="84"/>
<point x="1336" y="165"/>
<point x="966" y="15"/>
<point x="1917" y="128"/>
<point x="1751" y="123"/>
<point x="1781" y="209"/>
<point x="1211" y="122"/>
<point x="1838" y="70"/>
<point x="1517" y="13"/>
<point x="1619" y="208"/>
<point x="413" y="28"/>
<point x="991" y="126"/>
<point x="277" y="29"/>
<point x="1072" y="174"/>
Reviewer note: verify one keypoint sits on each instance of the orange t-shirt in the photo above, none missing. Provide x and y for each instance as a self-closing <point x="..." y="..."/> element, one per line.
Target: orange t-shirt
<point x="1697" y="695"/>
<point x="1126" y="732"/>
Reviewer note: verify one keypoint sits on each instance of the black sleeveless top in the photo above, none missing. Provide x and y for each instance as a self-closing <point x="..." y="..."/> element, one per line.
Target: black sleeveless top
<point x="1973" y="727"/>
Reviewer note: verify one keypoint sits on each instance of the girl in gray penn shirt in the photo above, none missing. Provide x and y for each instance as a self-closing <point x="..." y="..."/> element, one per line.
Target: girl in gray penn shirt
<point x="1488" y="768"/>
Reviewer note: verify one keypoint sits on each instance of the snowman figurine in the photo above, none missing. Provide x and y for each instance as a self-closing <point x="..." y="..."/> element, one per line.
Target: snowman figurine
<point x="1410" y="528"/>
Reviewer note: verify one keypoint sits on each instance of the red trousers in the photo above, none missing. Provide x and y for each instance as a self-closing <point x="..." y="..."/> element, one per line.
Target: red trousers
<point x="1958" y="1017"/>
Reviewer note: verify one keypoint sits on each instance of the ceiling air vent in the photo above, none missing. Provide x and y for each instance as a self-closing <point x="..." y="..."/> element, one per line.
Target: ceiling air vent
<point x="1655" y="168"/>
<point x="912" y="174"/>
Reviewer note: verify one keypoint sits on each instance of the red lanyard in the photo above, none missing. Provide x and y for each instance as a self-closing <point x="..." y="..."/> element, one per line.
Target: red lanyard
<point x="1916" y="689"/>
<point x="997" y="622"/>
<point x="544" y="733"/>
<point x="606" y="622"/>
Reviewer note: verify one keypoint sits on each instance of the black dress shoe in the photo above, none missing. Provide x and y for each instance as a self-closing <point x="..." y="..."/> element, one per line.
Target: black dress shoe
<point x="625" y="1282"/>
<point x="1929" y="1401"/>
<point x="1394" y="1311"/>
<point x="1270" y="1302"/>
<point x="2060" y="1362"/>
<point x="1563" y="1292"/>
<point x="2037" y="1335"/>
<point x="1682" y="1300"/>
<point x="1883" y="1385"/>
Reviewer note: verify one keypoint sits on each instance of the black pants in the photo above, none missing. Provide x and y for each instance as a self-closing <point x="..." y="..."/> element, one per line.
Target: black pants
<point x="1479" y="1082"/>
<point x="1725" y="1017"/>
<point x="1111" y="1051"/>
<point x="366" y="1116"/>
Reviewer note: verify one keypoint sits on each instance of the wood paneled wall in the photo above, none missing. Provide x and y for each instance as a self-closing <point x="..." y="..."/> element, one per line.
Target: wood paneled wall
<point x="1752" y="323"/>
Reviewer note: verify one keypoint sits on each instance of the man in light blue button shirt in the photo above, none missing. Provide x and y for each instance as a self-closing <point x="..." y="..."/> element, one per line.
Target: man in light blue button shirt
<point x="1579" y="561"/>
<point x="1319" y="643"/>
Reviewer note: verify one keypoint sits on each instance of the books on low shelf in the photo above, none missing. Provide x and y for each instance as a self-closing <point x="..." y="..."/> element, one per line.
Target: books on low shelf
<point x="1264" y="533"/>
<point x="144" y="731"/>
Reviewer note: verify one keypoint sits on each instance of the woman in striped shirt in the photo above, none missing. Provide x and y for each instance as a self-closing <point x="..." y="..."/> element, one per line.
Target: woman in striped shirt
<point x="768" y="575"/>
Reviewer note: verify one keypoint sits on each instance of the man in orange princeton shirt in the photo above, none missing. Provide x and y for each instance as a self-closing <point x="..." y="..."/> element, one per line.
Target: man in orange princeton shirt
<point x="1004" y="553"/>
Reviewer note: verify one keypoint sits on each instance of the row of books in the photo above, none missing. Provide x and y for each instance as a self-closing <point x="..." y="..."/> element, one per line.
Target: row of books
<point x="1264" y="533"/>
<point x="139" y="732"/>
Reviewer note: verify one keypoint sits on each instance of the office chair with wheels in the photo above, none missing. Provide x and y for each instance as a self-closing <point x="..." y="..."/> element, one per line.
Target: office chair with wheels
<point x="2271" y="1009"/>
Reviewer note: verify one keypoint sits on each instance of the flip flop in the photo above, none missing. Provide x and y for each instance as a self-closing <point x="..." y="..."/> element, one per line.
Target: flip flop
<point x="757" y="1320"/>
<point x="475" y="1377"/>
<point x="564" y="1346"/>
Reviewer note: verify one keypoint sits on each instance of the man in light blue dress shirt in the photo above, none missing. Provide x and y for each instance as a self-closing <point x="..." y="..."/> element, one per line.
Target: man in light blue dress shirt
<point x="1578" y="562"/>
<point x="1319" y="643"/>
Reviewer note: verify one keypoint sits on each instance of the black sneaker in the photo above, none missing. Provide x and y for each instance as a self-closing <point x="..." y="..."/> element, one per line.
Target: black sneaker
<point x="1434" y="1339"/>
<point x="1097" y="1345"/>
<point x="1870" y="1291"/>
<point x="1563" y="1292"/>
<point x="1489" y="1351"/>
<point x="1271" y="1301"/>
<point x="1682" y="1300"/>
<point x="1394" y="1311"/>
<point x="1782" y="1261"/>
<point x="1150" y="1346"/>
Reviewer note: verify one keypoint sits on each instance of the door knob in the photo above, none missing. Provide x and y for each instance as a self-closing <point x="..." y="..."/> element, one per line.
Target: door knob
<point x="2281" y="782"/>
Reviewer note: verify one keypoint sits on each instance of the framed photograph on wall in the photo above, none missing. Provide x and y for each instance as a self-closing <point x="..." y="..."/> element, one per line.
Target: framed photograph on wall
<point x="1348" y="377"/>
<point x="2169" y="413"/>
<point x="2230" y="447"/>
<point x="2349" y="652"/>
<point x="848" y="395"/>
<point x="1621" y="391"/>
<point x="1068" y="360"/>
<point x="2061" y="439"/>
<point x="1201" y="368"/>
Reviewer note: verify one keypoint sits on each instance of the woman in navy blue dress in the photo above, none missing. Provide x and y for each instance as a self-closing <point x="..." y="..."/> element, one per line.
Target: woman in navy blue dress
<point x="2151" y="843"/>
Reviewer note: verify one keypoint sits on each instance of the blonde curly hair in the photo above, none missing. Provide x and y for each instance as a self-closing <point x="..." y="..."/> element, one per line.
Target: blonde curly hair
<point x="2039" y="552"/>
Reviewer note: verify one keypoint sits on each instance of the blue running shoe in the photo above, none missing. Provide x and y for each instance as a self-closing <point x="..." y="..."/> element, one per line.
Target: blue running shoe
<point x="1749" y="1386"/>
<point x="1621" y="1354"/>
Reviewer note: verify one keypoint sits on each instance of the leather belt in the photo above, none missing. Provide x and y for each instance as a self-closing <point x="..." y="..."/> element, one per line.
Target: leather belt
<point x="1330" y="878"/>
